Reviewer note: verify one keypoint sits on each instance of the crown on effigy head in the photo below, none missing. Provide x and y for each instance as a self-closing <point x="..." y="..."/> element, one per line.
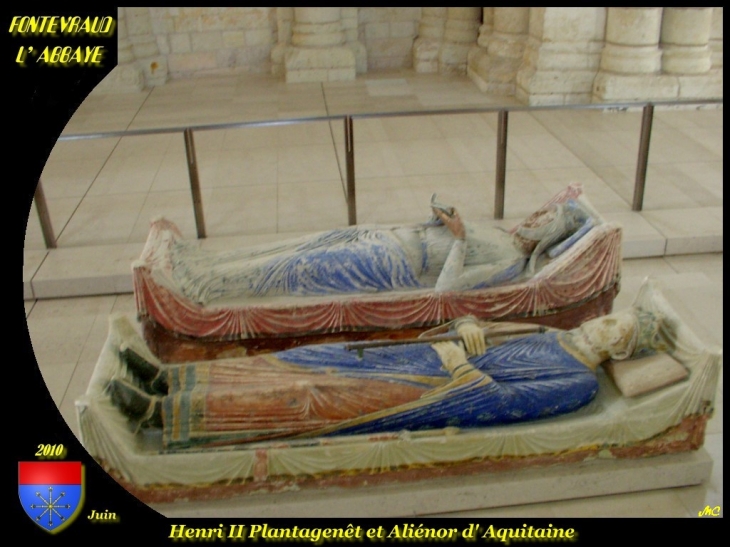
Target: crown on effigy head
<point x="648" y="333"/>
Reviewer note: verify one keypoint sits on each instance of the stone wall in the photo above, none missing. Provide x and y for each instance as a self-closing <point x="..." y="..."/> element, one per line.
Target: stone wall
<point x="200" y="41"/>
<point x="540" y="55"/>
<point x="205" y="41"/>
<point x="562" y="55"/>
<point x="388" y="35"/>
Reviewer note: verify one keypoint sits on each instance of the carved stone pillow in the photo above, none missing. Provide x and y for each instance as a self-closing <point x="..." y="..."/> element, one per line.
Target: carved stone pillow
<point x="646" y="374"/>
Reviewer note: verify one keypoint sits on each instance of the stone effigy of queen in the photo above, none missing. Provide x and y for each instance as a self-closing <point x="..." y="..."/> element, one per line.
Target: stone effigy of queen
<point x="444" y="253"/>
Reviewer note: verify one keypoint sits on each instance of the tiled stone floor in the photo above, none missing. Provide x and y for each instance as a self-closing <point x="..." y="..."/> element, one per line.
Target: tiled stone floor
<point x="267" y="182"/>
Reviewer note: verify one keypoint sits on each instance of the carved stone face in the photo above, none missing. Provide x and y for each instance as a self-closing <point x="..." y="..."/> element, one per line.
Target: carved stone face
<point x="615" y="334"/>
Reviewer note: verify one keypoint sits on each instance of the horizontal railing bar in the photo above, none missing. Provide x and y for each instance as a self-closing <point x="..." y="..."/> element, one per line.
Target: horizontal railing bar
<point x="209" y="127"/>
<point x="503" y="111"/>
<point x="527" y="108"/>
<point x="396" y="114"/>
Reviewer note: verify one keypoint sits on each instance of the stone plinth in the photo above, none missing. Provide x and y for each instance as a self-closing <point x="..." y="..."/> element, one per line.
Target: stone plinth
<point x="561" y="56"/>
<point x="460" y="35"/>
<point x="319" y="64"/>
<point x="463" y="493"/>
<point x="122" y="79"/>
<point x="493" y="63"/>
<point x="430" y="36"/>
<point x="318" y="51"/>
<point x="701" y="86"/>
<point x="609" y="87"/>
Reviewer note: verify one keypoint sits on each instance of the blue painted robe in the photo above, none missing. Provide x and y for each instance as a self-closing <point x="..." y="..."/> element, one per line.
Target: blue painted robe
<point x="314" y="391"/>
<point x="358" y="259"/>
<point x="533" y="377"/>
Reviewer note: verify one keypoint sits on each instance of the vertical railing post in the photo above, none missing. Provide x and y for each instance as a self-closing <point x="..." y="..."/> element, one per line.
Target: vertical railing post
<point x="350" y="163"/>
<point x="501" y="168"/>
<point x="44" y="216"/>
<point x="194" y="182"/>
<point x="643" y="161"/>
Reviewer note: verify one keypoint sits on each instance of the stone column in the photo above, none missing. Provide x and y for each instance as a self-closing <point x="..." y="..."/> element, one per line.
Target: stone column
<point x="144" y="46"/>
<point x="561" y="56"/>
<point x="631" y="60"/>
<point x="716" y="38"/>
<point x="486" y="28"/>
<point x="430" y="36"/>
<point x="460" y="35"/>
<point x="493" y="63"/>
<point x="125" y="55"/>
<point x="318" y="52"/>
<point x="632" y="41"/>
<point x="284" y="21"/>
<point x="685" y="40"/>
<point x="477" y="61"/>
<point x="126" y="77"/>
<point x="686" y="50"/>
<point x="350" y="27"/>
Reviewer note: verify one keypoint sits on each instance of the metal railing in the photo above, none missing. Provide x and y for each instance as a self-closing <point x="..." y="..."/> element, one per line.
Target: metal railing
<point x="501" y="157"/>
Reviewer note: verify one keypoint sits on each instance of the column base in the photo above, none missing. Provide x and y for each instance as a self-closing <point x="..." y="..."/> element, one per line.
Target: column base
<point x="452" y="58"/>
<point x="490" y="74"/>
<point x="637" y="60"/>
<point x="154" y="70"/>
<point x="277" y="59"/>
<point x="610" y="87"/>
<point x="319" y="64"/>
<point x="686" y="60"/>
<point x="701" y="86"/>
<point x="716" y="56"/>
<point x="122" y="79"/>
<point x="426" y="55"/>
<point x="547" y="87"/>
<point x="361" y="56"/>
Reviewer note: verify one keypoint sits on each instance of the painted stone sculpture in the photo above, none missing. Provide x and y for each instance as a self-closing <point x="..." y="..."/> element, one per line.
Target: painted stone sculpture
<point x="312" y="391"/>
<point x="323" y="415"/>
<point x="445" y="254"/>
<point x="560" y="267"/>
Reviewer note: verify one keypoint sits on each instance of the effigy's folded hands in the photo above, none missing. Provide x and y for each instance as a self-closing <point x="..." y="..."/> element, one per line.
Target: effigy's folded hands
<point x="463" y="373"/>
<point x="472" y="335"/>
<point x="452" y="355"/>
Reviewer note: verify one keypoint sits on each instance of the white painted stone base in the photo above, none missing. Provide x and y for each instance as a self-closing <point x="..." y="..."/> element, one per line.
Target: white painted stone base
<point x="438" y="496"/>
